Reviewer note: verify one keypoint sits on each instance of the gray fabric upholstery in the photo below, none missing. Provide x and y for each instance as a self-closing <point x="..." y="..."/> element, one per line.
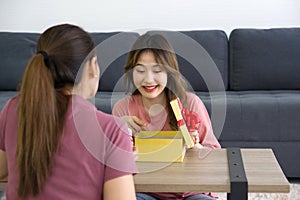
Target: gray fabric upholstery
<point x="259" y="70"/>
<point x="259" y="115"/>
<point x="215" y="42"/>
<point x="263" y="59"/>
<point x="261" y="119"/>
<point x="112" y="54"/>
<point x="198" y="52"/>
<point x="15" y="51"/>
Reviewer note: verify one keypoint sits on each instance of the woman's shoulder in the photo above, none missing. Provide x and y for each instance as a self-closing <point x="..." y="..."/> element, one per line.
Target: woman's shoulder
<point x="131" y="98"/>
<point x="14" y="99"/>
<point x="123" y="101"/>
<point x="192" y="98"/>
<point x="194" y="102"/>
<point x="84" y="113"/>
<point x="191" y="95"/>
<point x="109" y="121"/>
<point x="125" y="104"/>
<point x="121" y="106"/>
<point x="11" y="103"/>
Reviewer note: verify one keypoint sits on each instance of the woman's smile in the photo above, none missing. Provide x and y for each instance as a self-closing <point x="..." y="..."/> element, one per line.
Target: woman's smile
<point x="150" y="89"/>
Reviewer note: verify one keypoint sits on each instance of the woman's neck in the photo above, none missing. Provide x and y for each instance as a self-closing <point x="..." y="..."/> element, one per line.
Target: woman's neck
<point x="161" y="100"/>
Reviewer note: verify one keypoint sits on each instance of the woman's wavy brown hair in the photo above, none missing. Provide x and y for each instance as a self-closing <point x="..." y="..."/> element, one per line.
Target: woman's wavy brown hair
<point x="165" y="55"/>
<point x="43" y="105"/>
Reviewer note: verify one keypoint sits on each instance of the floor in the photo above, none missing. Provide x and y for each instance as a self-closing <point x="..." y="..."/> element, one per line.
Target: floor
<point x="293" y="195"/>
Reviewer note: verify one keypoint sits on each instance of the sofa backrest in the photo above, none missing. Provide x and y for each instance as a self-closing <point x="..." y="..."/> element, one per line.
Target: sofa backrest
<point x="264" y="59"/>
<point x="112" y="54"/>
<point x="202" y="57"/>
<point x="215" y="43"/>
<point x="259" y="59"/>
<point x="15" y="51"/>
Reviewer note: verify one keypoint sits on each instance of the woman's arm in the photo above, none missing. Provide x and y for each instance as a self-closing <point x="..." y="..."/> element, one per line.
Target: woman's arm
<point x="121" y="109"/>
<point x="119" y="188"/>
<point x="205" y="131"/>
<point x="3" y="166"/>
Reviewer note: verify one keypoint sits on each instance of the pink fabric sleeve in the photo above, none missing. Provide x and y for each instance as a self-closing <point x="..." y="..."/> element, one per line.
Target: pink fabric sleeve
<point x="206" y="135"/>
<point x="121" y="107"/>
<point x="119" y="153"/>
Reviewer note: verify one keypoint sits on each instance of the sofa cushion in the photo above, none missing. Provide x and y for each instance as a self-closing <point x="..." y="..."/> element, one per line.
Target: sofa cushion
<point x="202" y="57"/>
<point x="257" y="116"/>
<point x="112" y="51"/>
<point x="16" y="50"/>
<point x="262" y="59"/>
<point x="215" y="43"/>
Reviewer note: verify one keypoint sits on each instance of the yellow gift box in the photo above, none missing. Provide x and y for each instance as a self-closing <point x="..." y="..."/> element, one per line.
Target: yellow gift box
<point x="160" y="146"/>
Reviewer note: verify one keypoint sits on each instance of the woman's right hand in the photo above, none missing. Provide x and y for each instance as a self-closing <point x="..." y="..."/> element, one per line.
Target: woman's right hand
<point x="134" y="123"/>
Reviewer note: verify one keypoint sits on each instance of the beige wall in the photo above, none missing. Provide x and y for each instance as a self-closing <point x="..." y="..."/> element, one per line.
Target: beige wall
<point x="129" y="15"/>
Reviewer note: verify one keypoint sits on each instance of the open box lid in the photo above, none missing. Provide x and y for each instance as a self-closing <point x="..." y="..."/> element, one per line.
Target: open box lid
<point x="181" y="123"/>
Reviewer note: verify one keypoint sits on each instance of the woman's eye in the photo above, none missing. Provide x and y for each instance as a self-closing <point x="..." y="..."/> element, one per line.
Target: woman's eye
<point x="140" y="71"/>
<point x="157" y="71"/>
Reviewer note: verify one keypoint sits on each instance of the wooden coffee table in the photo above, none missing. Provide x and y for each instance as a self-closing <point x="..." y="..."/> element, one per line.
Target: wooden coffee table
<point x="208" y="171"/>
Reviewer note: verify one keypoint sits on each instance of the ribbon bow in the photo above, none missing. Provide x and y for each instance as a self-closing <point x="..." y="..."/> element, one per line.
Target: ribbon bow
<point x="190" y="118"/>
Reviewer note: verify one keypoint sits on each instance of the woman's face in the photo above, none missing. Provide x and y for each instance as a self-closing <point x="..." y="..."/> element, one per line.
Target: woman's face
<point x="149" y="77"/>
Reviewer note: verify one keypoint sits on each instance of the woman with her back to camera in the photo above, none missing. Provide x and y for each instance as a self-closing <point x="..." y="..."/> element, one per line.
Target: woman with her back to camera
<point x="55" y="144"/>
<point x="152" y="76"/>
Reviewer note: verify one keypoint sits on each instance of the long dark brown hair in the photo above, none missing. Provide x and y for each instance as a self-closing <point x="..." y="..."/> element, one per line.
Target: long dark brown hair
<point x="165" y="55"/>
<point x="43" y="103"/>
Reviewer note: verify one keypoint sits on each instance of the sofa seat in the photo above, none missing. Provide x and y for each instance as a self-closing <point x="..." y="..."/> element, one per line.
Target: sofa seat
<point x="258" y="115"/>
<point x="260" y="119"/>
<point x="249" y="81"/>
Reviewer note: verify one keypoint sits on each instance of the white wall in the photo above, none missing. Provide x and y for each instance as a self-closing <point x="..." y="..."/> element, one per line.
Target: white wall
<point x="130" y="15"/>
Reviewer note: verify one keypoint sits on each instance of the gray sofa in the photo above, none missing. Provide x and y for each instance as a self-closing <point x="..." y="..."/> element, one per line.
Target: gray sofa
<point x="249" y="81"/>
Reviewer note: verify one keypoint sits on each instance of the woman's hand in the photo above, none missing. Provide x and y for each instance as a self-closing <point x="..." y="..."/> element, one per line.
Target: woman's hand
<point x="134" y="123"/>
<point x="196" y="139"/>
<point x="195" y="136"/>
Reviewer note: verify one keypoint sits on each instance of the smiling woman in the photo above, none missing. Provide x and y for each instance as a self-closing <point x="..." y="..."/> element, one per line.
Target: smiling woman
<point x="153" y="78"/>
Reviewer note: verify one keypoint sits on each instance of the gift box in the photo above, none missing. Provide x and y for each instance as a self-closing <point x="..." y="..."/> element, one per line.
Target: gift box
<point x="160" y="146"/>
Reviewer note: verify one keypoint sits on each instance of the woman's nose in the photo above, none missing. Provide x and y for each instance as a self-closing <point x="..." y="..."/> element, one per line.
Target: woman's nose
<point x="149" y="77"/>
